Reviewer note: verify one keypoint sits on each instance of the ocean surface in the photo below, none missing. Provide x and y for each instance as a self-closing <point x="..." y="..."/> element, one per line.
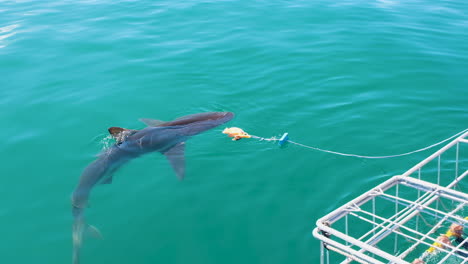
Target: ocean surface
<point x="363" y="77"/>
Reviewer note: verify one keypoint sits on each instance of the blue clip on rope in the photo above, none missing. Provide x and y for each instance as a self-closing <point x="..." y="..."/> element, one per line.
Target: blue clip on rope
<point x="284" y="138"/>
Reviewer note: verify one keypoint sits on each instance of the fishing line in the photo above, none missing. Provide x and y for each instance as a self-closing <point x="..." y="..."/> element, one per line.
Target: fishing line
<point x="237" y="133"/>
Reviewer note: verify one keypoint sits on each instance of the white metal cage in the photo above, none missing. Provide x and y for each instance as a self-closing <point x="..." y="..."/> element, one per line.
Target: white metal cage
<point x="402" y="219"/>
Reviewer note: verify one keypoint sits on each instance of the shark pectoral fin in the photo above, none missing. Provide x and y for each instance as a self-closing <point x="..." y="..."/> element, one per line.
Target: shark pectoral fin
<point x="93" y="232"/>
<point x="151" y="122"/>
<point x="175" y="155"/>
<point x="120" y="134"/>
<point x="110" y="176"/>
<point x="107" y="180"/>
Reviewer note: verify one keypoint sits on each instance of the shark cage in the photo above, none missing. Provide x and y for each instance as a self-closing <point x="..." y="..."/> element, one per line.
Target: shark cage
<point x="416" y="217"/>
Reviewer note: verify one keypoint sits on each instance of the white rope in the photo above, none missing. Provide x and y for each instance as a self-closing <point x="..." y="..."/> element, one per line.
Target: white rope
<point x="362" y="156"/>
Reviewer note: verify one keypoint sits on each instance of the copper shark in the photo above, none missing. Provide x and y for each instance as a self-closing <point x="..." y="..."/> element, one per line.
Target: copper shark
<point x="167" y="138"/>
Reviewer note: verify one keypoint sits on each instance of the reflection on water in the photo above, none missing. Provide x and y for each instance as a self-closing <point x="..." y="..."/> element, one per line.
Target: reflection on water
<point x="6" y="32"/>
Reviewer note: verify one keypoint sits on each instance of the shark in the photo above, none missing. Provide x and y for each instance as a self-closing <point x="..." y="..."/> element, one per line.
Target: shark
<point x="167" y="138"/>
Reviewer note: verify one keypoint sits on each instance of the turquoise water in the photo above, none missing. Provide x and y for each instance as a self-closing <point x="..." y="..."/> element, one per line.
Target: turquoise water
<point x="366" y="77"/>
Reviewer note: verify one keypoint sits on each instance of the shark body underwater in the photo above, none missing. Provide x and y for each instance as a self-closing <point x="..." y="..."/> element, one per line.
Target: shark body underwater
<point x="167" y="138"/>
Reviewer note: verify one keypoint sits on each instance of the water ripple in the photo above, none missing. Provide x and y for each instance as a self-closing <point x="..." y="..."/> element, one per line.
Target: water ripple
<point x="7" y="32"/>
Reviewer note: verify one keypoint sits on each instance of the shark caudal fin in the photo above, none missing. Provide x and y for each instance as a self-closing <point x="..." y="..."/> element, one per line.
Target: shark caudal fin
<point x="79" y="229"/>
<point x="77" y="233"/>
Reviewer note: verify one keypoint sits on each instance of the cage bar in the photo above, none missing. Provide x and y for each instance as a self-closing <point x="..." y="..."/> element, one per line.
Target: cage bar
<point x="403" y="217"/>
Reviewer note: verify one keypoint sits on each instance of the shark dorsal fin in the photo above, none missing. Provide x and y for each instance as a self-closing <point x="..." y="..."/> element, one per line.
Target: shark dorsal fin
<point x="176" y="157"/>
<point x="152" y="122"/>
<point x="120" y="134"/>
